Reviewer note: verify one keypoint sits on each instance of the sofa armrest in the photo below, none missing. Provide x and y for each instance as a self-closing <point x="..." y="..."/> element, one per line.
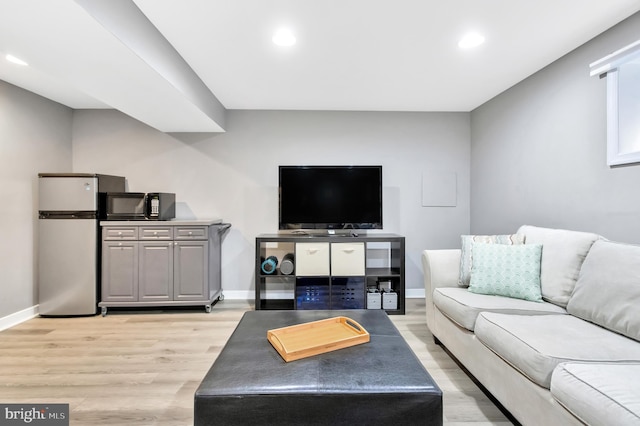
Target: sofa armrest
<point x="441" y="269"/>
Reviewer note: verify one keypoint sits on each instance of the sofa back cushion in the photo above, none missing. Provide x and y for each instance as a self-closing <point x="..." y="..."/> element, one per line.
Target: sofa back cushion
<point x="563" y="252"/>
<point x="608" y="290"/>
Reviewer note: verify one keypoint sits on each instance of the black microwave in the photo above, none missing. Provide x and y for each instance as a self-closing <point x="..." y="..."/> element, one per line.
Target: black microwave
<point x="140" y="206"/>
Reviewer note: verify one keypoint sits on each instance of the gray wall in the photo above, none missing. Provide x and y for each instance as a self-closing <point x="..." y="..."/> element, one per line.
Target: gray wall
<point x="233" y="175"/>
<point x="538" y="152"/>
<point x="35" y="136"/>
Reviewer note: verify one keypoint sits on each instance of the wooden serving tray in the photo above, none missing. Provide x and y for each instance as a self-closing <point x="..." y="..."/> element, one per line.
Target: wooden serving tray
<point x="316" y="337"/>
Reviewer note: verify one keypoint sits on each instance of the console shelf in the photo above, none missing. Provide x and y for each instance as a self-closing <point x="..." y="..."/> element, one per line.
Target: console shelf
<point x="330" y="272"/>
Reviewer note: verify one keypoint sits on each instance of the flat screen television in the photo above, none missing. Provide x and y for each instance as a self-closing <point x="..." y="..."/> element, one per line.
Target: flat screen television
<point x="330" y="197"/>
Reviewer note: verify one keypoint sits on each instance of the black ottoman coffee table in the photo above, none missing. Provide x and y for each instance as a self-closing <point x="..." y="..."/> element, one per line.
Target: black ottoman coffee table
<point x="376" y="383"/>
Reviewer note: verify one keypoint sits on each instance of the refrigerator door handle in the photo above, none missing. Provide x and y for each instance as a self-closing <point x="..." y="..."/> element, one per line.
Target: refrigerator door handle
<point x="68" y="215"/>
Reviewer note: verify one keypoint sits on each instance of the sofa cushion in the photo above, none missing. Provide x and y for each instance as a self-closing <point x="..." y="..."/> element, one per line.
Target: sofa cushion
<point x="466" y="257"/>
<point x="535" y="345"/>
<point x="463" y="307"/>
<point x="562" y="255"/>
<point x="608" y="289"/>
<point x="599" y="394"/>
<point x="511" y="271"/>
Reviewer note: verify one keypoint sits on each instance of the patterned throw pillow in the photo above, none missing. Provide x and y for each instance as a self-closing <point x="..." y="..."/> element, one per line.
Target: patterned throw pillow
<point x="466" y="258"/>
<point x="511" y="271"/>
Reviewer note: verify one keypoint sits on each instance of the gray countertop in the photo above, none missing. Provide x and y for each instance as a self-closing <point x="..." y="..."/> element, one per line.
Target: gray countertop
<point x="179" y="222"/>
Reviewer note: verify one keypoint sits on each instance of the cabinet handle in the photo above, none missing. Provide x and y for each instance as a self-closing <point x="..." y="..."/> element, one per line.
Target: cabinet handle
<point x="190" y="233"/>
<point x="313" y="250"/>
<point x="348" y="250"/>
<point x="155" y="232"/>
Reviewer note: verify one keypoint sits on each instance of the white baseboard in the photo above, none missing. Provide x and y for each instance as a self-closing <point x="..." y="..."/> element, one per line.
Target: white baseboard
<point x="32" y="312"/>
<point x="414" y="293"/>
<point x="18" y="317"/>
<point x="411" y="293"/>
<point x="239" y="294"/>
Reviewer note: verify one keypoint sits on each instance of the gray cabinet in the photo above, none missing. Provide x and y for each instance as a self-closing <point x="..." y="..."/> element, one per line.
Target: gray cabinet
<point x="161" y="264"/>
<point x="190" y="270"/>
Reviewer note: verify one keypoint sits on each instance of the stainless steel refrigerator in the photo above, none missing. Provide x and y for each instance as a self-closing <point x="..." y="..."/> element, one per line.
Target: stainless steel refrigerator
<point x="70" y="205"/>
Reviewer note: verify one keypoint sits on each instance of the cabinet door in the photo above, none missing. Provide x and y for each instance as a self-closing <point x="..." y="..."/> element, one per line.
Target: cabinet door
<point x="120" y="271"/>
<point x="156" y="271"/>
<point x="191" y="270"/>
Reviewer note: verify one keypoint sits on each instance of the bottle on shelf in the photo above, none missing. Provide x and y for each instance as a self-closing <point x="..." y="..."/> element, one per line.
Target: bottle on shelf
<point x="269" y="265"/>
<point x="287" y="265"/>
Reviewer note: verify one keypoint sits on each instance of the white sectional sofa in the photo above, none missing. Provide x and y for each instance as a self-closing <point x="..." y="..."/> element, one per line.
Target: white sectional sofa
<point x="573" y="356"/>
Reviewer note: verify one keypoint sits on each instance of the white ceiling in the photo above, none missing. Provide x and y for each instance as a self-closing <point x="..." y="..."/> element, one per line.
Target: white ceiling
<point x="366" y="55"/>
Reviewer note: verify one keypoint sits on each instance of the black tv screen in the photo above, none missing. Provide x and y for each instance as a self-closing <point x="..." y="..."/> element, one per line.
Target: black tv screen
<point x="330" y="197"/>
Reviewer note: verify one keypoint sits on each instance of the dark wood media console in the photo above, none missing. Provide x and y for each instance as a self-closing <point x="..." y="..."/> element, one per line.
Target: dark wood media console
<point x="330" y="272"/>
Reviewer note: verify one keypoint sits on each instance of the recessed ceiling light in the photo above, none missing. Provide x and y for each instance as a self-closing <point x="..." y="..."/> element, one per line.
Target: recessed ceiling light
<point x="284" y="37"/>
<point x="471" y="40"/>
<point x="15" y="60"/>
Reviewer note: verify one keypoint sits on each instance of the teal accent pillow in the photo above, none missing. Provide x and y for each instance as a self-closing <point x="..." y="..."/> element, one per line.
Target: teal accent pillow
<point x="466" y="257"/>
<point x="507" y="270"/>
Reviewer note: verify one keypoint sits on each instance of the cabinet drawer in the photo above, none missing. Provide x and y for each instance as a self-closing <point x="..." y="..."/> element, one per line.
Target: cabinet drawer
<point x="156" y="233"/>
<point x="191" y="233"/>
<point x="312" y="259"/>
<point x="124" y="233"/>
<point x="347" y="259"/>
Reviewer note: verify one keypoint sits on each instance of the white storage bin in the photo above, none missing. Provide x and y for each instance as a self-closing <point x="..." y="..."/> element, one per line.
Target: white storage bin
<point x="390" y="301"/>
<point x="312" y="259"/>
<point x="347" y="259"/>
<point x="374" y="301"/>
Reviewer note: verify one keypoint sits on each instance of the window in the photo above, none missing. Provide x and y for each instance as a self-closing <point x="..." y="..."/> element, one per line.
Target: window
<point x="622" y="70"/>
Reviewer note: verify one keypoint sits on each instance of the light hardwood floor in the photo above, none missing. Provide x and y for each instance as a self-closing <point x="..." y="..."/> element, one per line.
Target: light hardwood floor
<point x="143" y="367"/>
